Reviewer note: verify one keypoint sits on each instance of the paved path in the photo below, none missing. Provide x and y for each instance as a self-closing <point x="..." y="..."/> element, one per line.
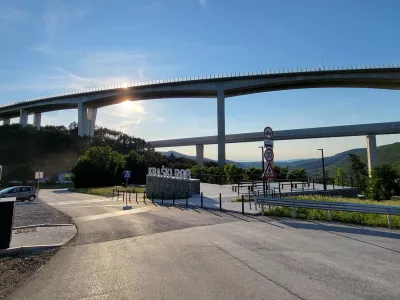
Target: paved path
<point x="168" y="253"/>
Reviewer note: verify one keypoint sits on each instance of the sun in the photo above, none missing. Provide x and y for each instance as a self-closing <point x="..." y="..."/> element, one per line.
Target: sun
<point x="127" y="104"/>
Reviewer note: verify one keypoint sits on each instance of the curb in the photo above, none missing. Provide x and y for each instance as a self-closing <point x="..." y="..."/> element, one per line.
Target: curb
<point x="27" y="249"/>
<point x="43" y="225"/>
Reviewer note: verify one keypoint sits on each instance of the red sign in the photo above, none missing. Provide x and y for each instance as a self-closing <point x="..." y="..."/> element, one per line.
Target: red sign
<point x="269" y="172"/>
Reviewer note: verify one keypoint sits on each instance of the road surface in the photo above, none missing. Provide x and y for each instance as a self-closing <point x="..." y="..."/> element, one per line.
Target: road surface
<point x="155" y="252"/>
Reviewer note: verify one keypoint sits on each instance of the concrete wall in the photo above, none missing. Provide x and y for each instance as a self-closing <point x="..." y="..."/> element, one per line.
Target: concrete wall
<point x="169" y="187"/>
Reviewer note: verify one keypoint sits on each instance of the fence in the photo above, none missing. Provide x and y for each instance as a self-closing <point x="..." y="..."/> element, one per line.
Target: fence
<point x="330" y="206"/>
<point x="221" y="203"/>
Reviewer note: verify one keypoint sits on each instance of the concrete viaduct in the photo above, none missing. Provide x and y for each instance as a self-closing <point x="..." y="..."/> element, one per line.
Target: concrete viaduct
<point x="368" y="130"/>
<point x="220" y="87"/>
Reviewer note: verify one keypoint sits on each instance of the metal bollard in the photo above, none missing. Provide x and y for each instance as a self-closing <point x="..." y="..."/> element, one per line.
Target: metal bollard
<point x="242" y="204"/>
<point x="136" y="198"/>
<point x="162" y="197"/>
<point x="220" y="202"/>
<point x="187" y="199"/>
<point x="152" y="197"/>
<point x="113" y="194"/>
<point x="173" y="199"/>
<point x="144" y="197"/>
<point x="123" y="196"/>
<point x="201" y="199"/>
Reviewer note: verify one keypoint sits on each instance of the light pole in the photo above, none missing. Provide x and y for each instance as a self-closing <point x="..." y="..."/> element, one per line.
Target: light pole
<point x="323" y="168"/>
<point x="262" y="167"/>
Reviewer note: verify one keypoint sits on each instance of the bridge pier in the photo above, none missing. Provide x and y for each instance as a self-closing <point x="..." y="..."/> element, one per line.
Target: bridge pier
<point x="23" y="117"/>
<point x="86" y="120"/>
<point x="91" y="120"/>
<point x="372" y="153"/>
<point x="37" y="118"/>
<point x="221" y="127"/>
<point x="200" y="155"/>
<point x="6" y="121"/>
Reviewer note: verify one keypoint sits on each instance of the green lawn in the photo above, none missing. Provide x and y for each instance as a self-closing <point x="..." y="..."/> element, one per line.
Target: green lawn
<point x="106" y="191"/>
<point x="341" y="216"/>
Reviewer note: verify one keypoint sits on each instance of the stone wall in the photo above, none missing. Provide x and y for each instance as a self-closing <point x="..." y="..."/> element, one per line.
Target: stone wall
<point x="169" y="187"/>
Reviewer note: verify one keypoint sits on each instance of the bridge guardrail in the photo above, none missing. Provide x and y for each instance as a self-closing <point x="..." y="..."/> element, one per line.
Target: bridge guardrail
<point x="330" y="206"/>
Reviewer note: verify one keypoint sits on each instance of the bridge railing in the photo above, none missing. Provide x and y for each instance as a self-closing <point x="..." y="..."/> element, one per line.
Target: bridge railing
<point x="329" y="206"/>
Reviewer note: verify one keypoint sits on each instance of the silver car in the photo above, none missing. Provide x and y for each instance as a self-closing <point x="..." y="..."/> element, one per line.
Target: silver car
<point x="19" y="192"/>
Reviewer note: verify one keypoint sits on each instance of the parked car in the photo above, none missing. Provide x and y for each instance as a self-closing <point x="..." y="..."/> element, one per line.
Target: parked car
<point x="19" y="192"/>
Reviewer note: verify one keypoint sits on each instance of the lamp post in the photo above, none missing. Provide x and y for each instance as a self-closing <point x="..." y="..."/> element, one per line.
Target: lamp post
<point x="262" y="167"/>
<point x="323" y="168"/>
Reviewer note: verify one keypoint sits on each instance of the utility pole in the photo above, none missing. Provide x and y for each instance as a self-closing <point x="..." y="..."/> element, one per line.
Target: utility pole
<point x="323" y="168"/>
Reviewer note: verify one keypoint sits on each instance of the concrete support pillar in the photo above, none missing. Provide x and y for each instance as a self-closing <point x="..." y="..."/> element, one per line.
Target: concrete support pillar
<point x="23" y="117"/>
<point x="372" y="153"/>
<point x="200" y="155"/>
<point x="91" y="121"/>
<point x="37" y="118"/>
<point x="82" y="119"/>
<point x="221" y="127"/>
<point x="86" y="120"/>
<point x="6" y="121"/>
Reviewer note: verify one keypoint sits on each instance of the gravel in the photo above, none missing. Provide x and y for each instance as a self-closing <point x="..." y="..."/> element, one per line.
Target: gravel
<point x="15" y="270"/>
<point x="37" y="212"/>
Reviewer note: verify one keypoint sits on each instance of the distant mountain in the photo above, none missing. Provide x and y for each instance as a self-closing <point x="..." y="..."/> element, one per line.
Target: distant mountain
<point x="178" y="155"/>
<point x="389" y="154"/>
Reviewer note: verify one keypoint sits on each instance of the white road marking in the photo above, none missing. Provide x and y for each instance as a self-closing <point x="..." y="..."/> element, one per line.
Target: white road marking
<point x="115" y="214"/>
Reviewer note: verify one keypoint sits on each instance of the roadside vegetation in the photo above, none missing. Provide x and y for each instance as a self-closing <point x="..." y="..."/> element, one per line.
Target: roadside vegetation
<point x="107" y="191"/>
<point x="339" y="216"/>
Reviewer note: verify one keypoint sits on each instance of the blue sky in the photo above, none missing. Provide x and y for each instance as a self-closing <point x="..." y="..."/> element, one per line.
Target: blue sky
<point x="52" y="46"/>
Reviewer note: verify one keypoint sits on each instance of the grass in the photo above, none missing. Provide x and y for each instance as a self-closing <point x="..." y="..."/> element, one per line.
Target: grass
<point x="340" y="216"/>
<point x="106" y="191"/>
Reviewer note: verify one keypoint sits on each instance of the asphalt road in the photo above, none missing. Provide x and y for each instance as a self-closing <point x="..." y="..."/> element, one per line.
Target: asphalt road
<point x="167" y="253"/>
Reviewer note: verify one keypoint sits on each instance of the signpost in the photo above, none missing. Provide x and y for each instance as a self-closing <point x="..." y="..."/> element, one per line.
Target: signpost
<point x="269" y="172"/>
<point x="38" y="175"/>
<point x="127" y="175"/>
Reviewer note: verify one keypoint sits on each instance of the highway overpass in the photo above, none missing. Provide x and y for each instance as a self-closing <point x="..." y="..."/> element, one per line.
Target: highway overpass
<point x="368" y="130"/>
<point x="220" y="86"/>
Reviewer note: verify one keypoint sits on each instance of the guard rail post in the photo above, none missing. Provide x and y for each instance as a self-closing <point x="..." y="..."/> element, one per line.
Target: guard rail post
<point x="291" y="185"/>
<point x="330" y="215"/>
<point x="389" y="217"/>
<point x="249" y="201"/>
<point x="220" y="202"/>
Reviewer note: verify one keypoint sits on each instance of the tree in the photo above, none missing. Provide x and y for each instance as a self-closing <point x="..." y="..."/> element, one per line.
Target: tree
<point x="99" y="166"/>
<point x="233" y="173"/>
<point x="358" y="170"/>
<point x="298" y="174"/>
<point x="383" y="182"/>
<point x="340" y="172"/>
<point x="281" y="172"/>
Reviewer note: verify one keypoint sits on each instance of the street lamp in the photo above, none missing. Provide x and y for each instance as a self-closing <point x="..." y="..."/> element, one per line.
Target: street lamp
<point x="323" y="168"/>
<point x="262" y="167"/>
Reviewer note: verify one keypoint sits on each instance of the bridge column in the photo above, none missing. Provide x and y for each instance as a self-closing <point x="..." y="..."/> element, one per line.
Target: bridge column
<point x="91" y="121"/>
<point x="6" y="121"/>
<point x="372" y="153"/>
<point x="82" y="119"/>
<point x="221" y="127"/>
<point x="23" y="117"/>
<point x="200" y="155"/>
<point x="37" y="118"/>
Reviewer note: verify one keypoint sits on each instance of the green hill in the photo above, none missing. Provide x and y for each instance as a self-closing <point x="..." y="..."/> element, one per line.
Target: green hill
<point x="389" y="154"/>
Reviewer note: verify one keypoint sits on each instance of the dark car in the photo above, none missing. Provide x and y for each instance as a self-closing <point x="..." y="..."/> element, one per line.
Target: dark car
<point x="19" y="192"/>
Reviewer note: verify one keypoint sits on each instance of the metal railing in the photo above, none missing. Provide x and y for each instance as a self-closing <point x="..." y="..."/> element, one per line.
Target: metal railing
<point x="330" y="206"/>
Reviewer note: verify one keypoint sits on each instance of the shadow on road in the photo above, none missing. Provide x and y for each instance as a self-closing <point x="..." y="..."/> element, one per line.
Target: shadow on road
<point x="341" y="229"/>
